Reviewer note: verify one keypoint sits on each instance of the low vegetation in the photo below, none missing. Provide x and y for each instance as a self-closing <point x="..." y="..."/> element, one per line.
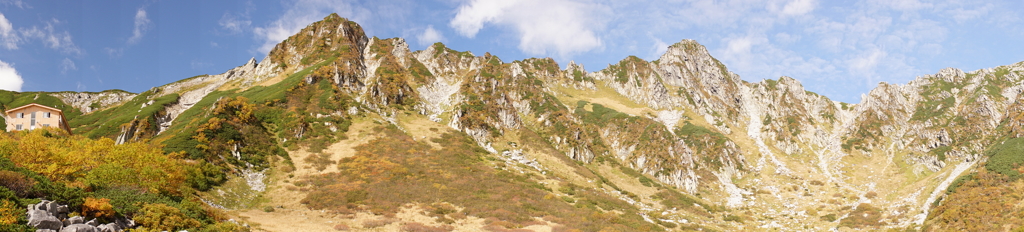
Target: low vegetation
<point x="101" y="180"/>
<point x="395" y="170"/>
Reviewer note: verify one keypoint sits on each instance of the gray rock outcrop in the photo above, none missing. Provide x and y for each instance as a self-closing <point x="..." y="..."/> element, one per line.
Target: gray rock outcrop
<point x="48" y="216"/>
<point x="87" y="102"/>
<point x="40" y="219"/>
<point x="79" y="228"/>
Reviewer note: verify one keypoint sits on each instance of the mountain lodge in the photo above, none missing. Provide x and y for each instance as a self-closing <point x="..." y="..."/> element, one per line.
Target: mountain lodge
<point x="32" y="116"/>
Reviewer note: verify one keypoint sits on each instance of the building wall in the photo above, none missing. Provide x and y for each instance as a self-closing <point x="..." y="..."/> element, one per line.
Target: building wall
<point x="54" y="120"/>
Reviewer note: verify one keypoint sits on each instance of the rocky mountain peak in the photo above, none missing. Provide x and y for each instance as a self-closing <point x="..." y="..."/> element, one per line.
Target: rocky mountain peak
<point x="333" y="36"/>
<point x="685" y="49"/>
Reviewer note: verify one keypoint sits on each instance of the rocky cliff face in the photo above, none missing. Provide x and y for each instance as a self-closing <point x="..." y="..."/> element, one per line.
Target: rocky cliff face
<point x="90" y="101"/>
<point x="789" y="157"/>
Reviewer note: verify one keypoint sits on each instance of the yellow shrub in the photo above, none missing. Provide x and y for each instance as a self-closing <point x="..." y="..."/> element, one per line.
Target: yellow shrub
<point x="9" y="212"/>
<point x="82" y="162"/>
<point x="162" y="217"/>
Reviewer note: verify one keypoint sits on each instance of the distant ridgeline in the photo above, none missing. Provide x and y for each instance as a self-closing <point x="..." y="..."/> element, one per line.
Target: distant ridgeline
<point x="357" y="124"/>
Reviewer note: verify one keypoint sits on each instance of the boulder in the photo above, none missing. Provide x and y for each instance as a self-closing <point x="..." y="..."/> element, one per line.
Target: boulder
<point x="62" y="212"/>
<point x="51" y="207"/>
<point x="40" y="206"/>
<point x="109" y="227"/>
<point x="92" y="223"/>
<point x="41" y="219"/>
<point x="124" y="223"/>
<point x="74" y="220"/>
<point x="79" y="228"/>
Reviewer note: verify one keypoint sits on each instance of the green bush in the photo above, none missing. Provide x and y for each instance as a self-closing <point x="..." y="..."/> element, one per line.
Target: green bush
<point x="1006" y="158"/>
<point x="829" y="217"/>
<point x="126" y="200"/>
<point x="43" y="187"/>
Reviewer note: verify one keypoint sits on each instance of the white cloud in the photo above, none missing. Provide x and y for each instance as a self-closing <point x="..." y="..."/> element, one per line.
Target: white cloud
<point x="710" y="13"/>
<point x="60" y="41"/>
<point x="659" y="47"/>
<point x="199" y="65"/>
<point x="864" y="64"/>
<point x="901" y="5"/>
<point x="17" y="3"/>
<point x="233" y="24"/>
<point x="798" y="7"/>
<point x="9" y="78"/>
<point x="66" y="65"/>
<point x="141" y="26"/>
<point x="786" y="38"/>
<point x="114" y="52"/>
<point x="8" y="37"/>
<point x="561" y="27"/>
<point x="429" y="36"/>
<point x="964" y="14"/>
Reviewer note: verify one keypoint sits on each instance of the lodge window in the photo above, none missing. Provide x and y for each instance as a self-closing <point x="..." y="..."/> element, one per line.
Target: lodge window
<point x="18" y="127"/>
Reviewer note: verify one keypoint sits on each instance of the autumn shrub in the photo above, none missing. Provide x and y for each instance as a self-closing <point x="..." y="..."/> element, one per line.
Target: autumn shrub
<point x="733" y="218"/>
<point x="341" y="227"/>
<point x="232" y="128"/>
<point x="43" y="186"/>
<point x="673" y="199"/>
<point x="92" y="163"/>
<point x="866" y="215"/>
<point x="128" y="201"/>
<point x="97" y="208"/>
<point x="320" y="161"/>
<point x="378" y="222"/>
<point x="224" y="227"/>
<point x="17" y="182"/>
<point x="986" y="202"/>
<point x="394" y="170"/>
<point x="420" y="227"/>
<point x="666" y="224"/>
<point x="568" y="188"/>
<point x="10" y="212"/>
<point x="162" y="217"/>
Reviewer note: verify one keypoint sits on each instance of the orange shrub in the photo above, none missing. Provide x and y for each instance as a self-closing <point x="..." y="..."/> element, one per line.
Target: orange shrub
<point x="97" y="208"/>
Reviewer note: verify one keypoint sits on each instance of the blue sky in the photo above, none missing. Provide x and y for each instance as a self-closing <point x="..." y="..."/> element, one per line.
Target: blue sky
<point x="840" y="49"/>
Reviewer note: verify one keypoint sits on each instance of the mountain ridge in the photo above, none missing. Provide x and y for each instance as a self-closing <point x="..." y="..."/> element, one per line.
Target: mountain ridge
<point x="769" y="153"/>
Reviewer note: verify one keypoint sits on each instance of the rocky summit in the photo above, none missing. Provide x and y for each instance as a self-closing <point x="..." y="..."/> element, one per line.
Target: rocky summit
<point x="335" y="130"/>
